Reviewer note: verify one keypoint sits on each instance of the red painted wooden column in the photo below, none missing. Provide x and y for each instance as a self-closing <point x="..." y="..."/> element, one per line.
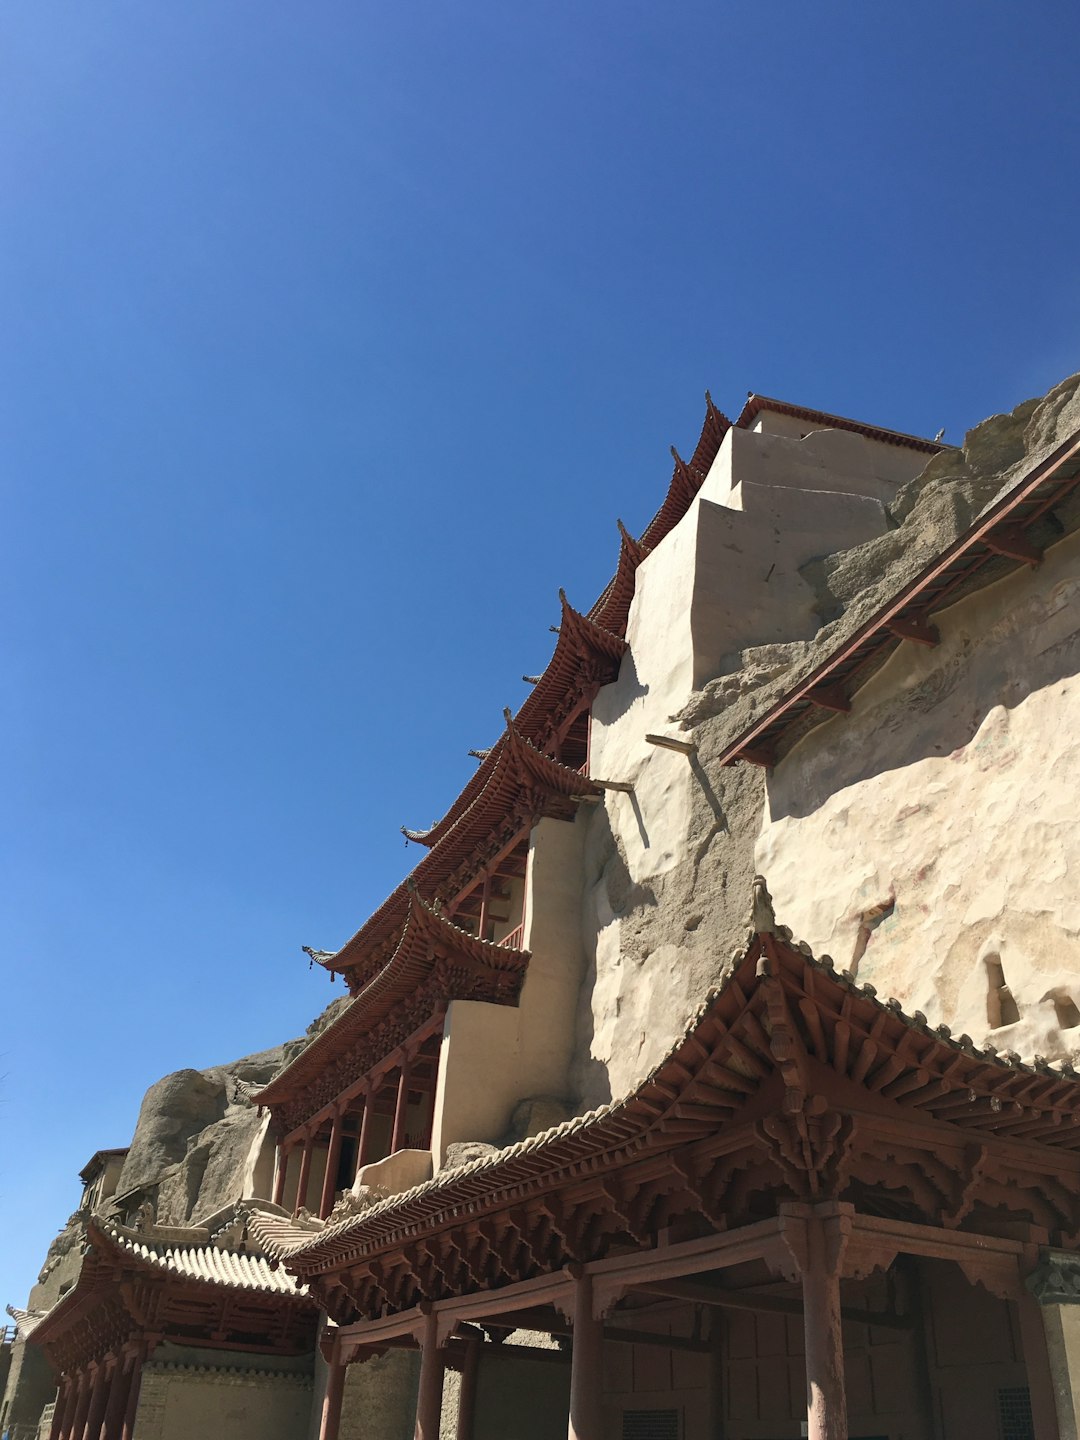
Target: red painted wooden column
<point x="82" y="1405"/>
<point x="330" y="1419"/>
<point x="279" y="1174"/>
<point x="432" y="1373"/>
<point x="305" y="1172"/>
<point x="401" y="1110"/>
<point x="138" y="1355"/>
<point x="466" y="1416"/>
<point x="817" y="1237"/>
<point x="65" y="1405"/>
<point x="99" y="1395"/>
<point x="333" y="1159"/>
<point x="114" y="1411"/>
<point x="363" y="1145"/>
<point x="586" y="1369"/>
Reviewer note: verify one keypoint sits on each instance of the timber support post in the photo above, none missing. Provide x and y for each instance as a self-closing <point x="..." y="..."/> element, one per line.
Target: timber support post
<point x="817" y="1237"/>
<point x="432" y="1373"/>
<point x="586" y="1405"/>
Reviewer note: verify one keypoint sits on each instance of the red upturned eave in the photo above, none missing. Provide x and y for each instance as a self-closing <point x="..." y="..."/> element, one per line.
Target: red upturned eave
<point x="490" y="972"/>
<point x="898" y="1059"/>
<point x="608" y="614"/>
<point x="821" y="420"/>
<point x="584" y="651"/>
<point x="839" y="675"/>
<point x="516" y="771"/>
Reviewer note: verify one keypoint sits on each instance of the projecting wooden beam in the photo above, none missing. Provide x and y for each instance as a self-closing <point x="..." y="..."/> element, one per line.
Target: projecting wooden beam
<point x="829" y="697"/>
<point x="1011" y="541"/>
<point x="762" y="754"/>
<point x="624" y="785"/>
<point x="917" y="630"/>
<point x="669" y="742"/>
<point x="622" y="1336"/>
<point x="698" y="1294"/>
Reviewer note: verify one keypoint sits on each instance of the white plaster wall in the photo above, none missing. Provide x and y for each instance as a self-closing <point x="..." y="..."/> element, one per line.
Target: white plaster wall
<point x="494" y="1056"/>
<point x="950" y="790"/>
<point x="776" y="451"/>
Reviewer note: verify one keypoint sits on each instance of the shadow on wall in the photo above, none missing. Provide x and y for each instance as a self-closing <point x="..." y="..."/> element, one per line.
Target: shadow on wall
<point x="926" y="703"/>
<point x="626" y="689"/>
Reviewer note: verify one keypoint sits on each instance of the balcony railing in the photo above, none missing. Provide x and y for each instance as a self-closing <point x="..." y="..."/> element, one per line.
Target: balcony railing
<point x="514" y="939"/>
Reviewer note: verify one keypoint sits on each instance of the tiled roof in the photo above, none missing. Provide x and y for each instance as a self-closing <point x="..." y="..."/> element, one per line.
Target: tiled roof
<point x="206" y="1263"/>
<point x="26" y="1321"/>
<point x="983" y="1072"/>
<point x="755" y="404"/>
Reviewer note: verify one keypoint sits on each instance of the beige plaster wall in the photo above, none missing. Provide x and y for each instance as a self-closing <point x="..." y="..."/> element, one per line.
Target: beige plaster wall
<point x="179" y="1403"/>
<point x="660" y="861"/>
<point x="948" y="794"/>
<point x="379" y="1401"/>
<point x="494" y="1056"/>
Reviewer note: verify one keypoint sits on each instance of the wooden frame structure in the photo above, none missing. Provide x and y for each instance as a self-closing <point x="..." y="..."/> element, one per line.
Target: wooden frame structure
<point x="133" y="1292"/>
<point x="801" y="1124"/>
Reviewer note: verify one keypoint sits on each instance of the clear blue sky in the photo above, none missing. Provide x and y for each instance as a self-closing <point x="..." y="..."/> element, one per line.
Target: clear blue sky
<point x="333" y="339"/>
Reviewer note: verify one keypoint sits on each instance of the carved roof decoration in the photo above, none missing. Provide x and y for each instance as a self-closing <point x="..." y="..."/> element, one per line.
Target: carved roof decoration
<point x="996" y="541"/>
<point x="585" y="656"/>
<point x="792" y="1079"/>
<point x="821" y="420"/>
<point x="516" y="785"/>
<point x="130" y="1284"/>
<point x="433" y="957"/>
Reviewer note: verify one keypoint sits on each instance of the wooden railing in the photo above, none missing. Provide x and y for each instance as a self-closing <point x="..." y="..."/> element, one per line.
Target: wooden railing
<point x="514" y="939"/>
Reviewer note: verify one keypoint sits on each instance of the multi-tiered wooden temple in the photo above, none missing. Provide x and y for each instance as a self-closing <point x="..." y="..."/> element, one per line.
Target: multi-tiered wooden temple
<point x="146" y="1298"/>
<point x="806" y="1157"/>
<point x="379" y="1083"/>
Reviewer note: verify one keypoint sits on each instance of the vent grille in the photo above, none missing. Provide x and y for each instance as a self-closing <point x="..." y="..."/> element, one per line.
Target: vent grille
<point x="1014" y="1413"/>
<point x="652" y="1425"/>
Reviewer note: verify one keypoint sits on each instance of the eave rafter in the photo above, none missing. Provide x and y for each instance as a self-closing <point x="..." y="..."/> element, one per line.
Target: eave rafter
<point x="586" y="656"/>
<point x="517" y="785"/>
<point x="792" y="1082"/>
<point x="433" y="963"/>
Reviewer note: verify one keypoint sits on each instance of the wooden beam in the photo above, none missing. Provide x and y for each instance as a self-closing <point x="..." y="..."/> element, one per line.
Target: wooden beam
<point x="1010" y="540"/>
<point x="655" y="1337"/>
<point x="911" y="629"/>
<point x="698" y="1294"/>
<point x="829" y="697"/>
<point x="669" y="742"/>
<point x="762" y="754"/>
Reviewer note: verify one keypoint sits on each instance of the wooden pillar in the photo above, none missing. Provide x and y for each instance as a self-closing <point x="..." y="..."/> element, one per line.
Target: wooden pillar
<point x="333" y="1159"/>
<point x="330" y="1418"/>
<point x="305" y="1172"/>
<point x="64" y="1407"/>
<point x="485" y="898"/>
<point x="817" y="1238"/>
<point x="82" y="1405"/>
<point x="137" y="1357"/>
<point x="363" y="1145"/>
<point x="432" y="1372"/>
<point x="114" y="1411"/>
<point x="99" y="1394"/>
<point x="280" y="1173"/>
<point x="401" y="1110"/>
<point x="1044" y="1414"/>
<point x="586" y="1370"/>
<point x="466" y="1415"/>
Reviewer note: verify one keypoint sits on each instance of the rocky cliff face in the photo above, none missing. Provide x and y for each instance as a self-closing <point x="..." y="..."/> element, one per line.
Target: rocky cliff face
<point x="670" y="872"/>
<point x="196" y="1131"/>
